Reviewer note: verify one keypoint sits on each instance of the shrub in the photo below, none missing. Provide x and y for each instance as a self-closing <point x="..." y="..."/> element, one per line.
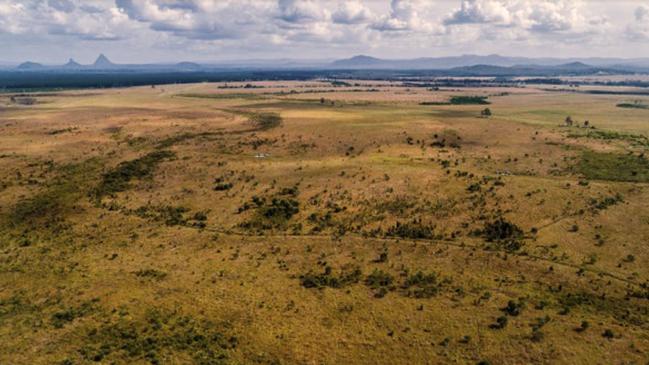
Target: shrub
<point x="583" y="327"/>
<point x="151" y="274"/>
<point x="501" y="229"/>
<point x="501" y="322"/>
<point x="61" y="318"/>
<point x="422" y="285"/>
<point x="223" y="186"/>
<point x="513" y="308"/>
<point x="380" y="282"/>
<point x="264" y="121"/>
<point x="414" y="229"/>
<point x="327" y="279"/>
<point x="469" y="100"/>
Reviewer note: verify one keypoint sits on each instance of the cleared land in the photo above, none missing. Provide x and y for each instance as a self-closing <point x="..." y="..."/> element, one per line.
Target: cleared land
<point x="311" y="223"/>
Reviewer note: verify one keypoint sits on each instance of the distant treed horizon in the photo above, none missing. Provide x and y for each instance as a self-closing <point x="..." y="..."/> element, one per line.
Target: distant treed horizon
<point x="143" y="31"/>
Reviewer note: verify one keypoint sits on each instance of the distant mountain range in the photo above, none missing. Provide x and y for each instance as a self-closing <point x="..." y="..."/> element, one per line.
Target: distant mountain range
<point x="466" y="65"/>
<point x="441" y="63"/>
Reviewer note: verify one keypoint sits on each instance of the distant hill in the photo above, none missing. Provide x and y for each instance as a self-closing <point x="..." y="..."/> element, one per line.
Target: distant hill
<point x="103" y="62"/>
<point x="188" y="66"/>
<point x="440" y="63"/>
<point x="361" y="61"/>
<point x="72" y="64"/>
<point x="30" y="66"/>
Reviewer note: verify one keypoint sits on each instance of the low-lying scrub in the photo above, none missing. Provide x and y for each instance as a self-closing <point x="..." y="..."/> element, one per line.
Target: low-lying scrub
<point x="264" y="121"/>
<point x="274" y="212"/>
<point x="48" y="208"/>
<point x="346" y="277"/>
<point x="633" y="139"/>
<point x="158" y="338"/>
<point x="422" y="285"/>
<point x="171" y="215"/>
<point x="380" y="283"/>
<point x="118" y="179"/>
<point x="502" y="234"/>
<point x="414" y="229"/>
<point x="613" y="166"/>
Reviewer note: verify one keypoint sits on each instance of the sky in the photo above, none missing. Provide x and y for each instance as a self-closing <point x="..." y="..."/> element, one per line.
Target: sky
<point x="147" y="31"/>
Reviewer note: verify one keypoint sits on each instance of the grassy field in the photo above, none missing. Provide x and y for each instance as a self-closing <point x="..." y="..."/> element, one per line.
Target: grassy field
<point x="301" y="223"/>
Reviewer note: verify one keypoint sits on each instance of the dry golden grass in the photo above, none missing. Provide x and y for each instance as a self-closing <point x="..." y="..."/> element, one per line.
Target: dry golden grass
<point x="110" y="255"/>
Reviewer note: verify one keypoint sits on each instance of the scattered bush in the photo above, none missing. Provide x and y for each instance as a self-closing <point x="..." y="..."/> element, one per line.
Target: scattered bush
<point x="327" y="279"/>
<point x="264" y="121"/>
<point x="151" y="274"/>
<point x="158" y="336"/>
<point x="501" y="322"/>
<point x="422" y="285"/>
<point x="380" y="282"/>
<point x="469" y="100"/>
<point x="414" y="229"/>
<point x="513" y="308"/>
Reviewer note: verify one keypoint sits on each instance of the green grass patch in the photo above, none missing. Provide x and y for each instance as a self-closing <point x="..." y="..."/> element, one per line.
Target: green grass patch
<point x="47" y="209"/>
<point x="119" y="178"/>
<point x="460" y="100"/>
<point x="158" y="338"/>
<point x="248" y="96"/>
<point x="469" y="100"/>
<point x="634" y="105"/>
<point x="613" y="166"/>
<point x="173" y="140"/>
<point x="634" y="139"/>
<point x="264" y="121"/>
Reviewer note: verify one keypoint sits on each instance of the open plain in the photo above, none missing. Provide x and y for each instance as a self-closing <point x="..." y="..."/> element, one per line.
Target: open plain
<point x="324" y="223"/>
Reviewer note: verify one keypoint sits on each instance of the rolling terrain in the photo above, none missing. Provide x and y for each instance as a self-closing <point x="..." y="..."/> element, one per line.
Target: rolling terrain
<point x="305" y="222"/>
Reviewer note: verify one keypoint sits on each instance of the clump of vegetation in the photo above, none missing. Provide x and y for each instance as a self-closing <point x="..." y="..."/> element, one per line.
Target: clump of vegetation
<point x="118" y="179"/>
<point x="170" y="215"/>
<point x="513" y="308"/>
<point x="501" y="322"/>
<point x="469" y="100"/>
<point x="264" y="121"/>
<point x="414" y="229"/>
<point x="601" y="204"/>
<point x="150" y="274"/>
<point x="380" y="282"/>
<point x="613" y="167"/>
<point x="274" y="212"/>
<point x="54" y="132"/>
<point x="503" y="234"/>
<point x="61" y="318"/>
<point x="485" y="113"/>
<point x="633" y="139"/>
<point x="47" y="209"/>
<point x="158" y="338"/>
<point x="23" y="100"/>
<point x="327" y="279"/>
<point x="421" y="285"/>
<point x="636" y="104"/>
<point x="170" y="141"/>
<point x="223" y="186"/>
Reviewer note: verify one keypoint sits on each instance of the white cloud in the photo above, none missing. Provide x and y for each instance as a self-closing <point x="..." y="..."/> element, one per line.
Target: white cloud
<point x="406" y="15"/>
<point x="60" y="17"/>
<point x="639" y="29"/>
<point x="306" y="27"/>
<point x="475" y="12"/>
<point x="352" y="12"/>
<point x="541" y="16"/>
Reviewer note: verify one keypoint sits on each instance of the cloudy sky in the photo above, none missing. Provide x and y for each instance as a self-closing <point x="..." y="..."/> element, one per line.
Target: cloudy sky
<point x="51" y="31"/>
